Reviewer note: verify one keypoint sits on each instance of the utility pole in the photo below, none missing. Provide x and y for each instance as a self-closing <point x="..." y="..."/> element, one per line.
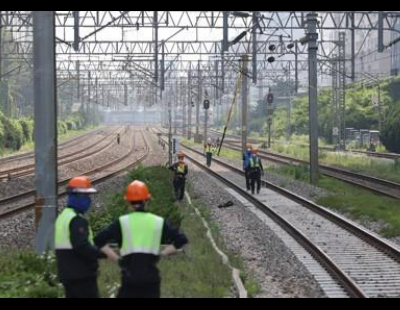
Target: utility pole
<point x="155" y="39"/>
<point x="245" y="98"/>
<point x="4" y="89"/>
<point x="254" y="46"/>
<point x="176" y="105"/>
<point x="353" y="48"/>
<point x="205" y="126"/>
<point x="312" y="37"/>
<point x="184" y="105"/>
<point x="89" y="103"/>
<point x="45" y="99"/>
<point x="199" y="100"/>
<point x="170" y="134"/>
<point x="78" y="81"/>
<point x="289" y="104"/>
<point x="190" y="110"/>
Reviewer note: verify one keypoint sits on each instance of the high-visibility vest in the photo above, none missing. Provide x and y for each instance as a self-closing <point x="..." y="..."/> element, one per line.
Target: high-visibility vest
<point x="141" y="234"/>
<point x="181" y="168"/>
<point x="255" y="162"/>
<point x="63" y="230"/>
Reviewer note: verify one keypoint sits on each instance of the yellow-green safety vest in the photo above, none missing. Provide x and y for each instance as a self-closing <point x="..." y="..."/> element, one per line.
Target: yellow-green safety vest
<point x="141" y="234"/>
<point x="255" y="162"/>
<point x="63" y="230"/>
<point x="181" y="168"/>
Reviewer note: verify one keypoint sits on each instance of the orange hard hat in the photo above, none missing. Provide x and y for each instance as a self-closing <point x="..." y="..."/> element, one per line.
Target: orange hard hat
<point x="137" y="192"/>
<point x="81" y="185"/>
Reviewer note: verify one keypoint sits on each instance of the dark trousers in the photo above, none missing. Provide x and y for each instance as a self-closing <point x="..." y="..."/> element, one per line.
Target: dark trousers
<point x="179" y="187"/>
<point x="247" y="173"/>
<point x="81" y="289"/>
<point x="255" y="180"/>
<point x="209" y="159"/>
<point x="148" y="291"/>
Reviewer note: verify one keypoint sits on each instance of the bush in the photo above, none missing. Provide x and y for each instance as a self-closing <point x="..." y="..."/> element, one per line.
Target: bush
<point x="62" y="128"/>
<point x="71" y="125"/>
<point x="75" y="122"/>
<point x="15" y="132"/>
<point x="391" y="130"/>
<point x="28" y="275"/>
<point x="13" y="136"/>
<point x="27" y="128"/>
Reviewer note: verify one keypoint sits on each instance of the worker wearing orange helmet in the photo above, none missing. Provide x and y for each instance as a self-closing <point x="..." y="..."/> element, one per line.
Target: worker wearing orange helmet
<point x="256" y="171"/>
<point x="209" y="152"/>
<point x="77" y="256"/>
<point x="181" y="170"/>
<point x="140" y="235"/>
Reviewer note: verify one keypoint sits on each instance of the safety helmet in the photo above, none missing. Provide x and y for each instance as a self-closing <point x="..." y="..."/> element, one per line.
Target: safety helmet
<point x="137" y="192"/>
<point x="81" y="185"/>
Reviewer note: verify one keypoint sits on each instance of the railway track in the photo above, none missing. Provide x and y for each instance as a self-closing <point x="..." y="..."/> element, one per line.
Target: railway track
<point x="61" y="147"/>
<point x="391" y="156"/>
<point x="25" y="201"/>
<point x="360" y="264"/>
<point x="377" y="185"/>
<point x="29" y="169"/>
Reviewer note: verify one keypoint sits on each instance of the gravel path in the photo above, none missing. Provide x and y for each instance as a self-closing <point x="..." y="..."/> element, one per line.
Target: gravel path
<point x="277" y="270"/>
<point x="314" y="194"/>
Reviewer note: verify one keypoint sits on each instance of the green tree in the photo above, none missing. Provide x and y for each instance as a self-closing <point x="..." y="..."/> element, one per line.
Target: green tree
<point x="391" y="130"/>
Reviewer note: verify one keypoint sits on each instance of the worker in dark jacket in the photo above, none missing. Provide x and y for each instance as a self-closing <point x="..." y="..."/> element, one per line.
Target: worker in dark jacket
<point x="209" y="152"/>
<point x="140" y="236"/>
<point x="77" y="257"/>
<point x="256" y="172"/>
<point x="246" y="166"/>
<point x="181" y="171"/>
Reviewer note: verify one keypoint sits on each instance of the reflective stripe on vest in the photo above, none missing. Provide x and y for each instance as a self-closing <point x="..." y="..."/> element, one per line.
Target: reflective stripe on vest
<point x="141" y="234"/>
<point x="255" y="162"/>
<point x="63" y="230"/>
<point x="181" y="168"/>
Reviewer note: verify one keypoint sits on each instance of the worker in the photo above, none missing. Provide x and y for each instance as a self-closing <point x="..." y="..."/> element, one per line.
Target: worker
<point x="209" y="152"/>
<point x="181" y="171"/>
<point x="256" y="171"/>
<point x="77" y="257"/>
<point x="246" y="166"/>
<point x="119" y="139"/>
<point x="140" y="235"/>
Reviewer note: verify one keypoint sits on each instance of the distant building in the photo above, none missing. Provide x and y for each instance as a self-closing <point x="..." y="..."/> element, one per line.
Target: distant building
<point x="367" y="59"/>
<point x="395" y="57"/>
